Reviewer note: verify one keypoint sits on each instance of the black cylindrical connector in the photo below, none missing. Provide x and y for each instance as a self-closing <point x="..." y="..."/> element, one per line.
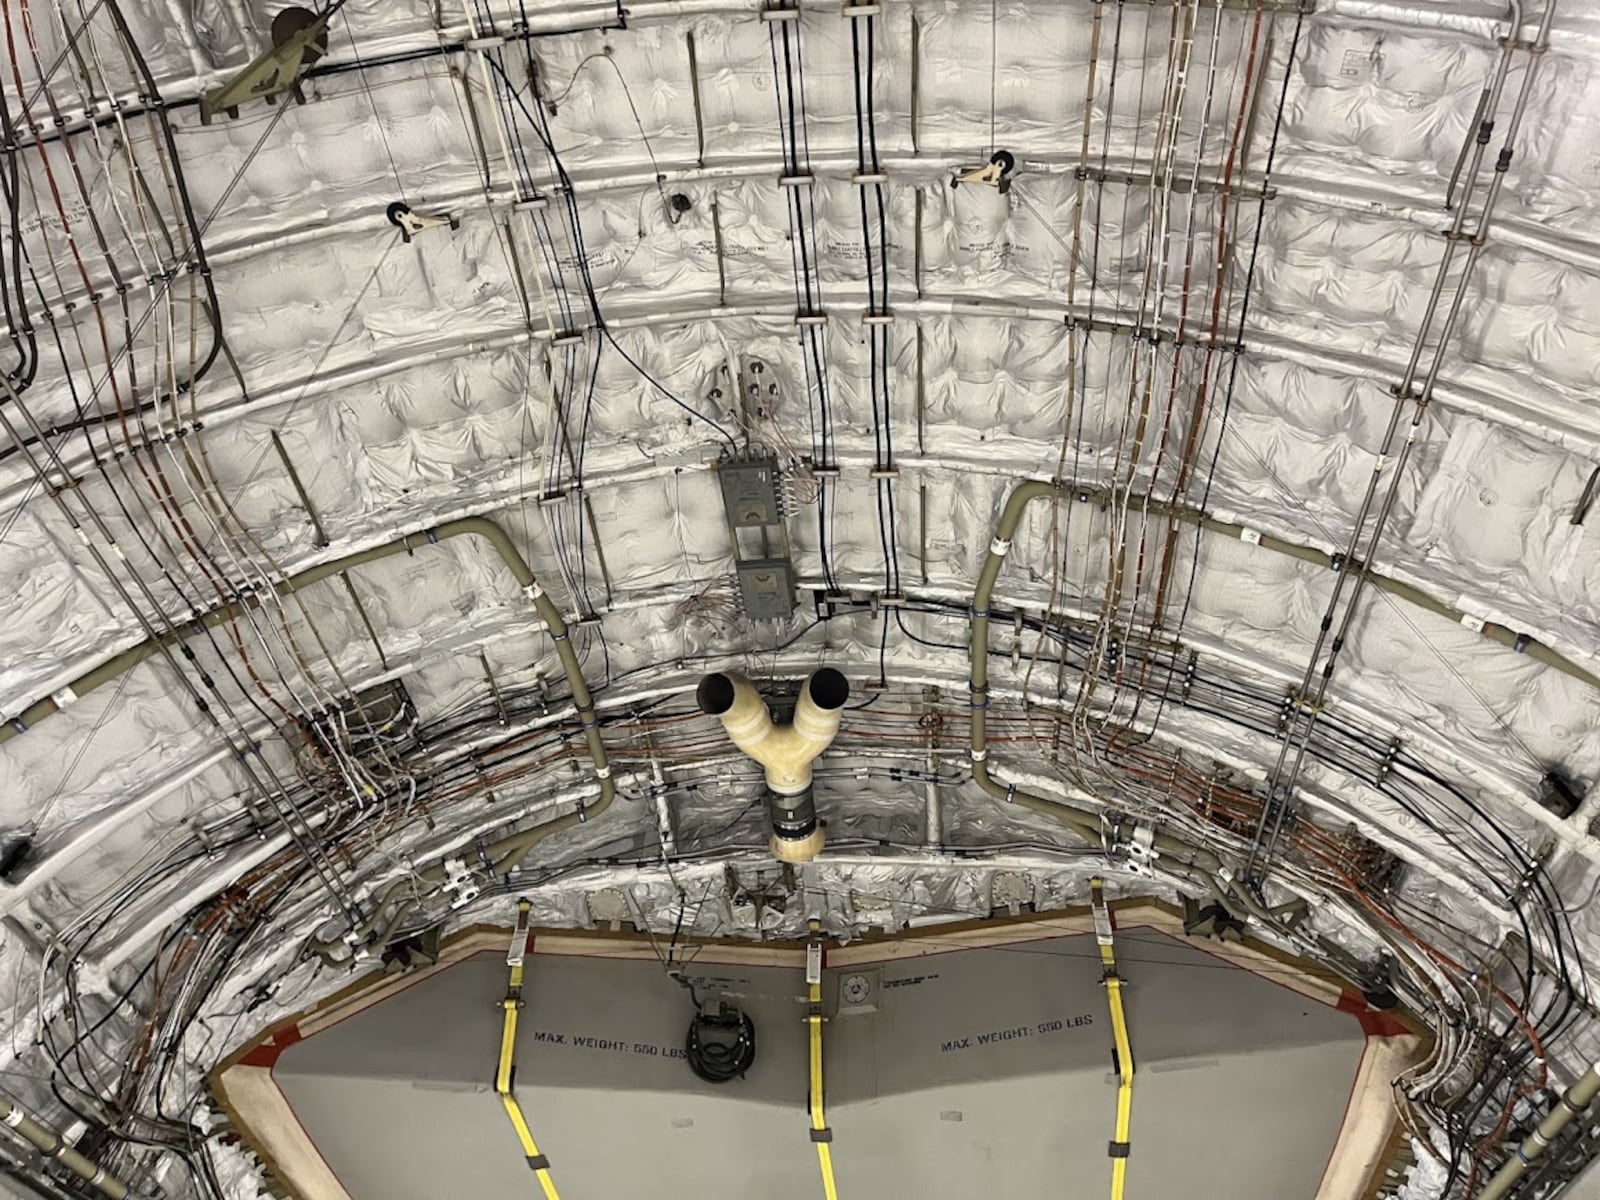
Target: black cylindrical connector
<point x="715" y="695"/>
<point x="794" y="817"/>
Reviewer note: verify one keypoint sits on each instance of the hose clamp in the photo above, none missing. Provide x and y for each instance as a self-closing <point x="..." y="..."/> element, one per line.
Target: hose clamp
<point x="978" y="755"/>
<point x="998" y="546"/>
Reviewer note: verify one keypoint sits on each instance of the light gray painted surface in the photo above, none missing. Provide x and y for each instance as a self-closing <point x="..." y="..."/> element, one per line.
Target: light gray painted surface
<point x="925" y="1101"/>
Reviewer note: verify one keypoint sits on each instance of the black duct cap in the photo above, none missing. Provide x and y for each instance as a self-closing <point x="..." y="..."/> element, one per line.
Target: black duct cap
<point x="829" y="689"/>
<point x="714" y="695"/>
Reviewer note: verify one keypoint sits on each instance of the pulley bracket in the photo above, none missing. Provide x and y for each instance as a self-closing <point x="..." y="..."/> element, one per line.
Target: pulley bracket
<point x="299" y="37"/>
<point x="996" y="173"/>
<point x="411" y="223"/>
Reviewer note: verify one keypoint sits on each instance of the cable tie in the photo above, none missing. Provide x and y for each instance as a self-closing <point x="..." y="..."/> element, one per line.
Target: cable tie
<point x="432" y="536"/>
<point x="1011" y="793"/>
<point x="999" y="546"/>
<point x="978" y="755"/>
<point x="602" y="772"/>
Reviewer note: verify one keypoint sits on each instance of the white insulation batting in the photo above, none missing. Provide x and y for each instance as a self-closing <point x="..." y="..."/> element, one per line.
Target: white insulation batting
<point x="411" y="383"/>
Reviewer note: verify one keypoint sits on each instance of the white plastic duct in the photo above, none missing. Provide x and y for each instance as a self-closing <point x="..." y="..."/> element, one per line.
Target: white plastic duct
<point x="786" y="752"/>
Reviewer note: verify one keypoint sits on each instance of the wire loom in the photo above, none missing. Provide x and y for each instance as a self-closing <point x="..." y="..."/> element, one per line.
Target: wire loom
<point x="713" y="1055"/>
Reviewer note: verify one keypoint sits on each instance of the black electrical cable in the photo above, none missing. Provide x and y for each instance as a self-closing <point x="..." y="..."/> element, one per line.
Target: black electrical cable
<point x="568" y="197"/>
<point x="720" y="1045"/>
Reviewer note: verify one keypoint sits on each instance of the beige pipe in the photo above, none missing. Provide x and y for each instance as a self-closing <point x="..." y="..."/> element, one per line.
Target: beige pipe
<point x="1573" y="1104"/>
<point x="50" y="1144"/>
<point x="786" y="752"/>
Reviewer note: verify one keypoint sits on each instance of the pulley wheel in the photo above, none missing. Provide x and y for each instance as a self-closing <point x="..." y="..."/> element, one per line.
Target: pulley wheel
<point x="291" y="21"/>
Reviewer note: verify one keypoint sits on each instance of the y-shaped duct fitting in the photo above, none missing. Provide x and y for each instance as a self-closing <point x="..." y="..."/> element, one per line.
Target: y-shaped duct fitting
<point x="786" y="751"/>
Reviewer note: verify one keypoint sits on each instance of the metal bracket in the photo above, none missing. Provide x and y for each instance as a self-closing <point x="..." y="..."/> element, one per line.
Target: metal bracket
<point x="412" y="223"/>
<point x="996" y="173"/>
<point x="299" y="38"/>
<point x="519" y="937"/>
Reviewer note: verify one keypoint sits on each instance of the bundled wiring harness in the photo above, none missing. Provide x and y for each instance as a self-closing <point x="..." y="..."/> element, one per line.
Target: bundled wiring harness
<point x="721" y="1045"/>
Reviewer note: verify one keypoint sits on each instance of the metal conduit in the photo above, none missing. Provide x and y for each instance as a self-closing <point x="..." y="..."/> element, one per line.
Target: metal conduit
<point x="503" y="854"/>
<point x="1573" y="1103"/>
<point x="49" y="1143"/>
<point x="1088" y="823"/>
<point x="1010" y="517"/>
<point x="1522" y="643"/>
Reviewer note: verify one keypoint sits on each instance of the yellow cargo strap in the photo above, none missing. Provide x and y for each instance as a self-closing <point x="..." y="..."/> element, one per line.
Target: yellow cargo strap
<point x="821" y="1135"/>
<point x="505" y="1074"/>
<point x="1119" y="1027"/>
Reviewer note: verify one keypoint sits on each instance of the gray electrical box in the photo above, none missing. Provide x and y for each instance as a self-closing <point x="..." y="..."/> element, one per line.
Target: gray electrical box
<point x="750" y="493"/>
<point x="766" y="587"/>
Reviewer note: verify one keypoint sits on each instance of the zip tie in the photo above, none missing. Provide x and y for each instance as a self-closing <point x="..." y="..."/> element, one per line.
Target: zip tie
<point x="602" y="772"/>
<point x="999" y="546"/>
<point x="432" y="536"/>
<point x="978" y="755"/>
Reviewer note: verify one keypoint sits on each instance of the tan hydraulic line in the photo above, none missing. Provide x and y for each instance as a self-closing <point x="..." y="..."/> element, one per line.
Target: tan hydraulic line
<point x="1573" y="1103"/>
<point x="482" y="527"/>
<point x="1025" y="493"/>
<point x="1085" y="821"/>
<point x="501" y="855"/>
<point x="49" y="1143"/>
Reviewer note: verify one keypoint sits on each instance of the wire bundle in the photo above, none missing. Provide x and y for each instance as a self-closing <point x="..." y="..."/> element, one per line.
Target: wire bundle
<point x="720" y="1045"/>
